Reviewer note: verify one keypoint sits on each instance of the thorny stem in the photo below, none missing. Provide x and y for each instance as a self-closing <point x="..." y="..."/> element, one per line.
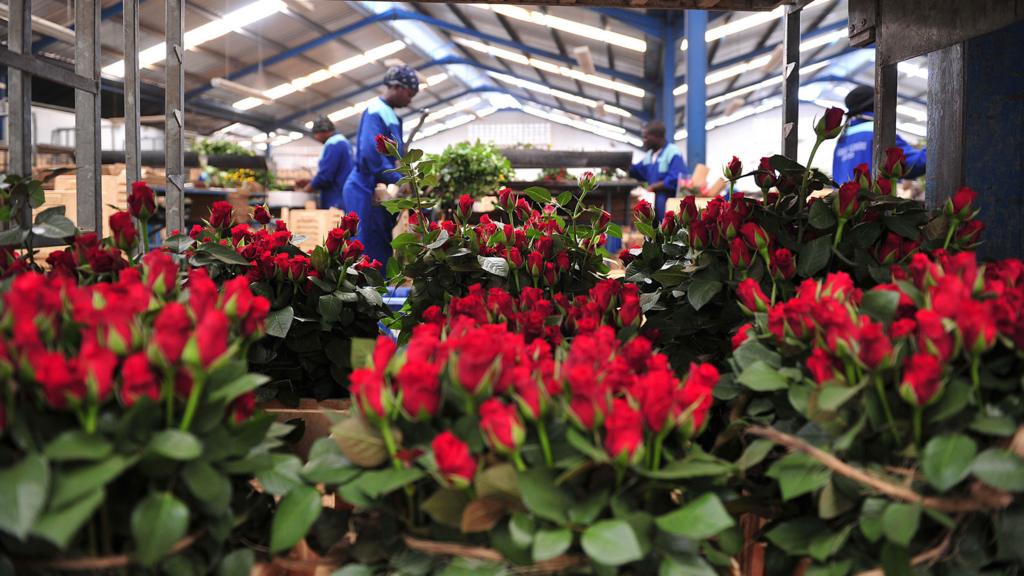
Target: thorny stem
<point x="193" y="401"/>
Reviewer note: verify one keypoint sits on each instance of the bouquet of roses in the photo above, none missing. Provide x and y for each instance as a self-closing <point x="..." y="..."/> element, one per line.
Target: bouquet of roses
<point x="319" y="300"/>
<point x="127" y="424"/>
<point x="475" y="434"/>
<point x="692" y="262"/>
<point x="534" y="315"/>
<point x="902" y="407"/>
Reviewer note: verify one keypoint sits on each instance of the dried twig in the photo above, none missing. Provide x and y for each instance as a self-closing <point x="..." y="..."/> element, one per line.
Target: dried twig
<point x="552" y="566"/>
<point x="952" y="505"/>
<point x="99" y="563"/>
<point x="926" y="557"/>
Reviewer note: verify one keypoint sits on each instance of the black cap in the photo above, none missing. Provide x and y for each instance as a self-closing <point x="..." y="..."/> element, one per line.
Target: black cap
<point x="860" y="100"/>
<point x="323" y="124"/>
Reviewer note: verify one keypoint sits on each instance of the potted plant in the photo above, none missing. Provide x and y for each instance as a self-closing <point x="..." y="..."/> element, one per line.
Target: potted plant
<point x="475" y="169"/>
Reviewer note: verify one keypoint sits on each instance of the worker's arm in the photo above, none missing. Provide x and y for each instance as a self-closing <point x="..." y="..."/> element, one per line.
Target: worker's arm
<point x="676" y="167"/>
<point x="637" y="171"/>
<point x="376" y="162"/>
<point x="915" y="158"/>
<point x="331" y="161"/>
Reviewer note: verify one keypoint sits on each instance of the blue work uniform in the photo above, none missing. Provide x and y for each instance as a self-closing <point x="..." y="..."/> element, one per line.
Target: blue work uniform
<point x="855" y="148"/>
<point x="332" y="172"/>
<point x="666" y="167"/>
<point x="375" y="222"/>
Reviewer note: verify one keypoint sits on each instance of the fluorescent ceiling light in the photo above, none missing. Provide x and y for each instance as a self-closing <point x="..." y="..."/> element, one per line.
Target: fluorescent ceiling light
<point x="764" y="84"/>
<point x="540" y="88"/>
<point x="357" y="108"/>
<point x="457" y="107"/>
<point x="552" y="67"/>
<point x="581" y="125"/>
<point x="736" y="116"/>
<point x="748" y="22"/>
<point x="434" y="80"/>
<point x="303" y="82"/>
<point x="230" y="22"/>
<point x="567" y="26"/>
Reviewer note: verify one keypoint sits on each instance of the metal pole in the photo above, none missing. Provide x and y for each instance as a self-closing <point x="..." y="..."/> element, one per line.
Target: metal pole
<point x="696" y="87"/>
<point x="132" y="90"/>
<point x="885" y="111"/>
<point x="666" y="99"/>
<point x="174" y="135"/>
<point x="87" y="116"/>
<point x="791" y="82"/>
<point x="20" y="96"/>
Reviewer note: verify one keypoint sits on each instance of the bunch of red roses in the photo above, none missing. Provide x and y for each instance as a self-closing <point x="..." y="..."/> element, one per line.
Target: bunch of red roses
<point x="77" y="348"/>
<point x="534" y="315"/>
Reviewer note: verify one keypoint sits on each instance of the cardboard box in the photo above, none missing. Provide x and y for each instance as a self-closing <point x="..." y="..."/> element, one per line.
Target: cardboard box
<point x="312" y="223"/>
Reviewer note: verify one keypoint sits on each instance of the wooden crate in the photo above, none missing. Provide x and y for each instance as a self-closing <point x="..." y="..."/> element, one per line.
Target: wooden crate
<point x="312" y="223"/>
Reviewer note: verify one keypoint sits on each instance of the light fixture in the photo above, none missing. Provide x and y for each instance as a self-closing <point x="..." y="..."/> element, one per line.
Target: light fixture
<point x="357" y="108"/>
<point x="912" y="70"/>
<point x="230" y="22"/>
<point x="599" y="128"/>
<point x="457" y="107"/>
<point x="764" y="84"/>
<point x="336" y="69"/>
<point x="562" y="95"/>
<point x="567" y="26"/>
<point x="736" y="116"/>
<point x="748" y="22"/>
<point x="552" y="67"/>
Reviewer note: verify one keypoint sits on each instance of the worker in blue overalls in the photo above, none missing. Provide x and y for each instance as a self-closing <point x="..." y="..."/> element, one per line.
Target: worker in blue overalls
<point x="855" y="145"/>
<point x="661" y="167"/>
<point x="371" y="169"/>
<point x="335" y="164"/>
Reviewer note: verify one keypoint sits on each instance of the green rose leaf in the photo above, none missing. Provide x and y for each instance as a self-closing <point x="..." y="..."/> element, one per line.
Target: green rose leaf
<point x="23" y="489"/>
<point x="70" y="486"/>
<point x="541" y="496"/>
<point x="77" y="445"/>
<point x="814" y="256"/>
<point x="445" y="506"/>
<point x="820" y="216"/>
<point x="611" y="543"/>
<point x="701" y="291"/>
<point x="209" y="486"/>
<point x="794" y="536"/>
<point x="280" y="321"/>
<point x="61" y="526"/>
<point x="175" y="445"/>
<point x="538" y="194"/>
<point x="238" y="387"/>
<point x="158" y="522"/>
<point x="761" y="377"/>
<point x="900" y="522"/>
<point x="880" y="305"/>
<point x="222" y="253"/>
<point x="236" y="563"/>
<point x="798" y="474"/>
<point x="1000" y="468"/>
<point x="754" y="454"/>
<point x="295" y="515"/>
<point x="697" y="520"/>
<point x="494" y="265"/>
<point x="548" y="544"/>
<point x="947" y="460"/>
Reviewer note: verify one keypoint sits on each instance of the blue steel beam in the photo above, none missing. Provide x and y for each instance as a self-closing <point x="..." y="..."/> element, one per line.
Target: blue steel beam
<point x="650" y="25"/>
<point x="106" y="14"/>
<point x="397" y="14"/>
<point x="696" y="93"/>
<point x="348" y="96"/>
<point x="670" y="35"/>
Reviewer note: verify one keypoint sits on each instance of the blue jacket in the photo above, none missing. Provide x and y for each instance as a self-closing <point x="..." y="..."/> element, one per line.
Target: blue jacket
<point x="855" y="148"/>
<point x="667" y="168"/>
<point x="375" y="222"/>
<point x="331" y="174"/>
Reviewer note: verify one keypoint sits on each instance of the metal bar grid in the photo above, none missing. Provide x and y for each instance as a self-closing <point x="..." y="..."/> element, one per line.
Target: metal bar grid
<point x="87" y="116"/>
<point x="885" y="111"/>
<point x="19" y="93"/>
<point x="791" y="81"/>
<point x="174" y="133"/>
<point x="132" y="127"/>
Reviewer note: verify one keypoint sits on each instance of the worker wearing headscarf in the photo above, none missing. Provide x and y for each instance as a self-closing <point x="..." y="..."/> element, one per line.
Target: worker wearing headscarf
<point x="371" y="169"/>
<point x="855" y="145"/>
<point x="335" y="164"/>
<point x="660" y="167"/>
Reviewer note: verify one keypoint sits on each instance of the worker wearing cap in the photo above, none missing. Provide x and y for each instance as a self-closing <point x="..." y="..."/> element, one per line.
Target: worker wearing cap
<point x="335" y="164"/>
<point x="661" y="167"/>
<point x="371" y="167"/>
<point x="855" y="145"/>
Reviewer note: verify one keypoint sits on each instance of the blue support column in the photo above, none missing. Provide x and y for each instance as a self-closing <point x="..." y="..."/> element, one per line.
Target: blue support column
<point x="696" y="89"/>
<point x="669" y="57"/>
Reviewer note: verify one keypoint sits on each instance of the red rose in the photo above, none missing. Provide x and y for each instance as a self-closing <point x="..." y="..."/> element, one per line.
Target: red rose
<point x="298" y="268"/>
<point x="243" y="407"/>
<point x="932" y="336"/>
<point x="977" y="323"/>
<point x="535" y="263"/>
<point x="350" y="222"/>
<point x="875" y="346"/>
<point x="755" y="236"/>
<point x="961" y="205"/>
<point x="922" y="379"/>
<point x="58" y="377"/>
<point x="629" y="313"/>
<point x="160" y="272"/>
<point x="846" y="201"/>
<point x="783" y="266"/>
<point x="141" y="201"/>
<point x="739" y="255"/>
<point x="765" y="176"/>
<point x="752" y="298"/>
<point x="733" y="169"/>
<point x="465" y="207"/>
<point x="729" y="223"/>
<point x="501" y="426"/>
<point x="353" y="250"/>
<point x="383" y="143"/>
<point x="369" y="392"/>
<point x="336" y="240"/>
<point x="694" y="399"/>
<point x="123" y="231"/>
<point x="700" y="237"/>
<point x="862" y="175"/>
<point x="624" y="432"/>
<point x="454" y="461"/>
<point x="668" y="223"/>
<point x="883" y="187"/>
<point x="262" y="215"/>
<point x="895" y="164"/>
<point x="221" y="215"/>
<point x="202" y="292"/>
<point x="420" y="389"/>
<point x="253" y="322"/>
<point x="211" y="337"/>
<point x="643" y="211"/>
<point x="138" y="380"/>
<point x="97" y="365"/>
<point x="171" y="331"/>
<point x="838" y="285"/>
<point x="741" y="335"/>
<point x="821" y="366"/>
<point x="969" y="234"/>
<point x="830" y="125"/>
<point x="902" y="328"/>
<point x="654" y="391"/>
<point x="603" y="220"/>
<point x="195" y="232"/>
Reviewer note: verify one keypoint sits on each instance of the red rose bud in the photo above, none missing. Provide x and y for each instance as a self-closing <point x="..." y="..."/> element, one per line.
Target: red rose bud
<point x="221" y="215"/>
<point x="629" y="313"/>
<point x="741" y="335"/>
<point x="195" y="232"/>
<point x="739" y="255"/>
<point x="383" y="144"/>
<point x="968" y="235"/>
<point x="688" y="210"/>
<point x="961" y="205"/>
<point x="262" y="215"/>
<point x="668" y="223"/>
<point x="752" y="298"/>
<point x="501" y="426"/>
<point x="765" y="176"/>
<point x="830" y="125"/>
<point x="932" y="335"/>
<point x="141" y="201"/>
<point x="862" y="176"/>
<point x="550" y="275"/>
<point x="515" y="257"/>
<point x="171" y="331"/>
<point x="624" y="432"/>
<point x="755" y="236"/>
<point x="535" y="262"/>
<point x="603" y="220"/>
<point x="977" y="323"/>
<point x="419" y="388"/>
<point x="643" y="211"/>
<point x="123" y="230"/>
<point x="138" y="380"/>
<point x="783" y="264"/>
<point x="733" y="169"/>
<point x="895" y="164"/>
<point x="821" y="366"/>
<point x="922" y="379"/>
<point x="243" y="407"/>
<point x="523" y="209"/>
<point x="369" y="393"/>
<point x="160" y="272"/>
<point x="352" y="251"/>
<point x="465" y="206"/>
<point x="694" y="399"/>
<point x="336" y="240"/>
<point x="883" y="187"/>
<point x="298" y="268"/>
<point x="699" y="235"/>
<point x="846" y="202"/>
<point x="875" y="346"/>
<point x="253" y="325"/>
<point x="507" y="199"/>
<point x="455" y="463"/>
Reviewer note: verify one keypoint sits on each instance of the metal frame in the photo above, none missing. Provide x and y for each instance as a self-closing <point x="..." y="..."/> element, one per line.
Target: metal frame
<point x="87" y="116"/>
<point x="791" y="81"/>
<point x="174" y="111"/>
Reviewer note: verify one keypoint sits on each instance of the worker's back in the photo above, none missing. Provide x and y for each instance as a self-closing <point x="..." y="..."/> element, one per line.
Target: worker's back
<point x="856" y="146"/>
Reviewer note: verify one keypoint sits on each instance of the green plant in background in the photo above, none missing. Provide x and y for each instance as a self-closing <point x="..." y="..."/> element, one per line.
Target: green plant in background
<point x="476" y="169"/>
<point x="209" y="147"/>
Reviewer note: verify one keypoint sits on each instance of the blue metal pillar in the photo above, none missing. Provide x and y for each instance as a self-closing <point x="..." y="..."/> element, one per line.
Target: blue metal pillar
<point x="669" y="52"/>
<point x="696" y="89"/>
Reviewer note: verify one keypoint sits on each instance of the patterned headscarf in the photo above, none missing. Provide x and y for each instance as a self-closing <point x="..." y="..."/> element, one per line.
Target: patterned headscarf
<point x="402" y="76"/>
